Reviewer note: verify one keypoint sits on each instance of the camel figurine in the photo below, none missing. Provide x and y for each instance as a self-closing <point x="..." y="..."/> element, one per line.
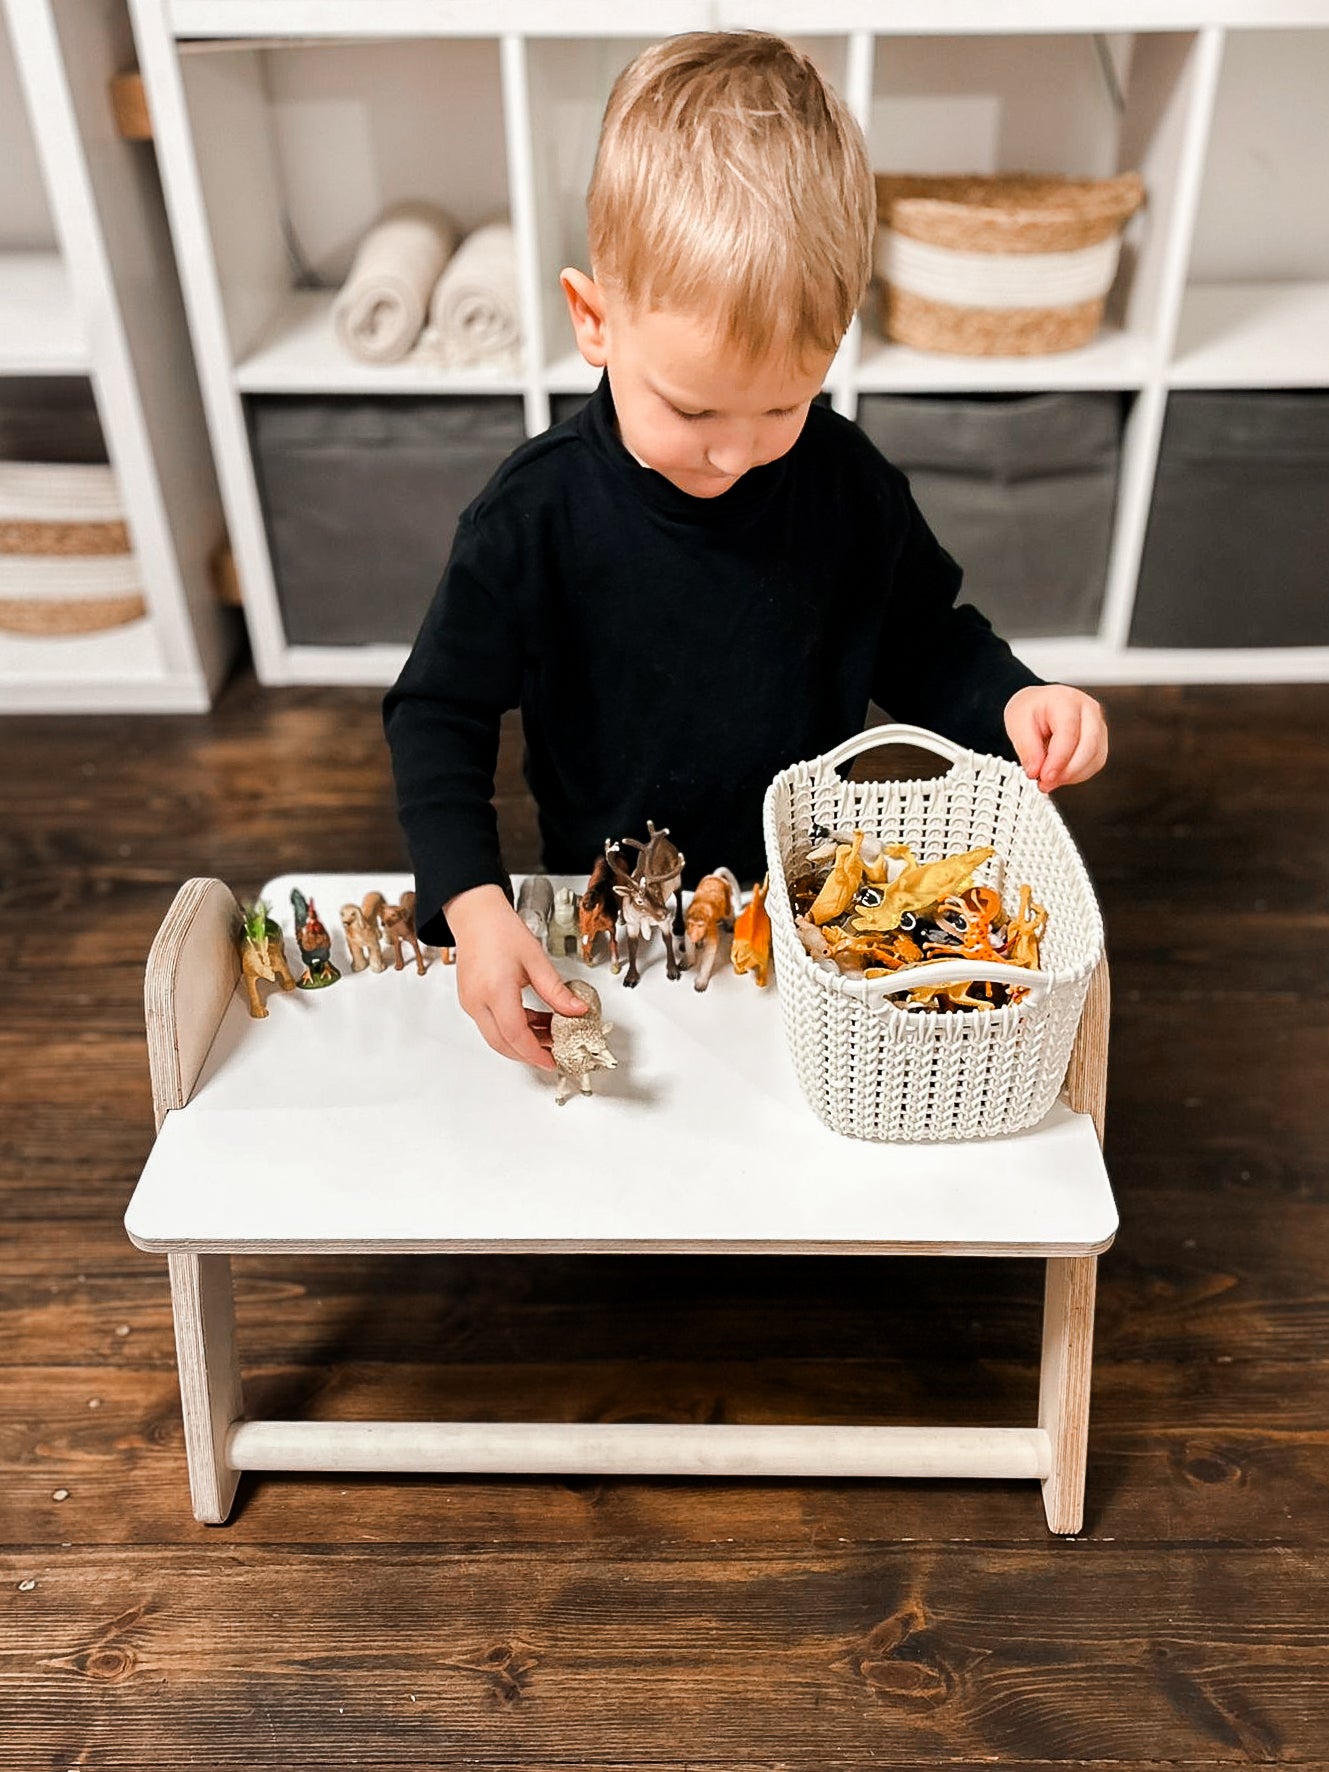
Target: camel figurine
<point x="262" y="955"/>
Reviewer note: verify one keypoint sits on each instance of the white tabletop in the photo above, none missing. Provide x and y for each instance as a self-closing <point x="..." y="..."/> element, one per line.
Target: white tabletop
<point x="371" y="1115"/>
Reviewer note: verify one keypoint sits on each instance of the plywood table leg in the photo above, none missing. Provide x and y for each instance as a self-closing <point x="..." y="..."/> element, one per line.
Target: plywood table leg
<point x="210" y="1393"/>
<point x="1063" y="1389"/>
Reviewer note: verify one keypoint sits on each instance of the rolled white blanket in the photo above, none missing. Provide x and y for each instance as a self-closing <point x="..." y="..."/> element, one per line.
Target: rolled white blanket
<point x="475" y="311"/>
<point x="380" y="310"/>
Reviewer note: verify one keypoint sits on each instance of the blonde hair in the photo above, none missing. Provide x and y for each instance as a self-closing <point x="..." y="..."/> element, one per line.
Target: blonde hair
<point x="731" y="180"/>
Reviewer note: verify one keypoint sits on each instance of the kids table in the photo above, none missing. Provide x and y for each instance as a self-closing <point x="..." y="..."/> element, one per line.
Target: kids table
<point x="370" y="1117"/>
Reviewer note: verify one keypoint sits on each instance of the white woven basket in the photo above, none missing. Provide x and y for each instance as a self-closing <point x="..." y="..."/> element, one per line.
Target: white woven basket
<point x="871" y="1069"/>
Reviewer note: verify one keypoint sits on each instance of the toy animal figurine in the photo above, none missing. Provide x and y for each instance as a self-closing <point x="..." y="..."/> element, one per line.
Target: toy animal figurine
<point x="579" y="1044"/>
<point x="660" y="859"/>
<point x="714" y="902"/>
<point x="361" y="934"/>
<point x="563" y="932"/>
<point x="643" y="892"/>
<point x="597" y="914"/>
<point x="535" y="906"/>
<point x="752" y="936"/>
<point x="262" y="955"/>
<point x="399" y="927"/>
<point x="315" y="944"/>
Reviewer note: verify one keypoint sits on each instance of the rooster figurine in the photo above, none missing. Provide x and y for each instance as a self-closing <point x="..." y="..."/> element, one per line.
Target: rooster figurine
<point x="314" y="943"/>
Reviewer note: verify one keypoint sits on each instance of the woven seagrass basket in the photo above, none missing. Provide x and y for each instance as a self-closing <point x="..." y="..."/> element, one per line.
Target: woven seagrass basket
<point x="66" y="563"/>
<point x="1005" y="266"/>
<point x="872" y="1069"/>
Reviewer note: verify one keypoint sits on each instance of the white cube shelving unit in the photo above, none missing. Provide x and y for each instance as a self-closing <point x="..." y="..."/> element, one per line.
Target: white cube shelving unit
<point x="284" y="126"/>
<point x="88" y="289"/>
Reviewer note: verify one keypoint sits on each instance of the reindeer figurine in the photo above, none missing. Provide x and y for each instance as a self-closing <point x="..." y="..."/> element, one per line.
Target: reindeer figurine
<point x="597" y="914"/>
<point x="714" y="902"/>
<point x="262" y="955"/>
<point x="645" y="893"/>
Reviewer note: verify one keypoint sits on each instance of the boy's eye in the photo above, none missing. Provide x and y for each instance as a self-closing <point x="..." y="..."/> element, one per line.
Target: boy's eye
<point x="775" y="412"/>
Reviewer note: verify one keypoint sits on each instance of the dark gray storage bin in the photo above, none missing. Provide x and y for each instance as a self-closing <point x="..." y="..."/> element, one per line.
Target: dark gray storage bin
<point x="361" y="498"/>
<point x="1237" y="548"/>
<point x="1020" y="490"/>
<point x="49" y="418"/>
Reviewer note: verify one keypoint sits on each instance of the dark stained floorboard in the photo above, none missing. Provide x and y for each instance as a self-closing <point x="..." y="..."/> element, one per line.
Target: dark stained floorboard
<point x="530" y="1624"/>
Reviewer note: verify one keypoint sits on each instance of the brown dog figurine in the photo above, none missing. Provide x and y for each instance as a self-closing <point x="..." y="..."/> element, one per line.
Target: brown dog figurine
<point x="399" y="927"/>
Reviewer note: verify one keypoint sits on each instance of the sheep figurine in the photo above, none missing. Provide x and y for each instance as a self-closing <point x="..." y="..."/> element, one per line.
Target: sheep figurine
<point x="579" y="1044"/>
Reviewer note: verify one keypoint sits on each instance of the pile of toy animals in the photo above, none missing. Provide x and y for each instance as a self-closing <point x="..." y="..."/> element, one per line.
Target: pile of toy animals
<point x="871" y="908"/>
<point x="646" y="897"/>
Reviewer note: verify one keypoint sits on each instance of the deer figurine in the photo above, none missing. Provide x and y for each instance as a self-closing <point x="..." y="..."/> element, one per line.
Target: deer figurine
<point x="645" y="893"/>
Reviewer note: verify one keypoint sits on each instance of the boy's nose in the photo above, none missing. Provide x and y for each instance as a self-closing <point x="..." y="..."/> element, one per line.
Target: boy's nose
<point x="732" y="458"/>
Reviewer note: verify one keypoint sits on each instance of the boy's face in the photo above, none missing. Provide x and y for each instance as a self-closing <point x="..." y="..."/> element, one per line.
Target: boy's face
<point x="687" y="406"/>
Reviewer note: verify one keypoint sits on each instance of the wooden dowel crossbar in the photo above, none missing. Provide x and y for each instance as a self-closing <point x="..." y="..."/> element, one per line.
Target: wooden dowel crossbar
<point x="639" y="1449"/>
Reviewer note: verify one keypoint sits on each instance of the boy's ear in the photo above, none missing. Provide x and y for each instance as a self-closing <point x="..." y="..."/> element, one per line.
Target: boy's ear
<point x="586" y="306"/>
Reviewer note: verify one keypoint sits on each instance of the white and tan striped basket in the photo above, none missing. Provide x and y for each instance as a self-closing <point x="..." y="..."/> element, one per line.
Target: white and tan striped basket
<point x="66" y="564"/>
<point x="872" y="1069"/>
<point x="1004" y="266"/>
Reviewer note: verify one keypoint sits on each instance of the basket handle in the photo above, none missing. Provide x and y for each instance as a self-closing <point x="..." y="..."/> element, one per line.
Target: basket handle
<point x="943" y="972"/>
<point x="883" y="735"/>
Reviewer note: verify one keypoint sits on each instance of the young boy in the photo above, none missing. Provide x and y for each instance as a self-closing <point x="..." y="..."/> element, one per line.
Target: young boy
<point x="702" y="577"/>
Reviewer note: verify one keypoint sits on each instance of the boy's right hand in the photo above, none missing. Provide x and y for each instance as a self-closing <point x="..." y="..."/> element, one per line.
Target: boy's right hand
<point x="497" y="956"/>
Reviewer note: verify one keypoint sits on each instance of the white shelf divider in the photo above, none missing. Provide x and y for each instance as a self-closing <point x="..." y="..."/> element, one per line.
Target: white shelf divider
<point x="127" y="334"/>
<point x="1182" y="113"/>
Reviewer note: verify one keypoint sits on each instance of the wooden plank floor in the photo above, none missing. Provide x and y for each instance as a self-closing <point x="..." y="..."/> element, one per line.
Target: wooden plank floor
<point x="537" y="1624"/>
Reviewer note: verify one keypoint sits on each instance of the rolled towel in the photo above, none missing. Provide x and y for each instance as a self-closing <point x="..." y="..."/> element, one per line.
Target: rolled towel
<point x="380" y="310"/>
<point x="475" y="310"/>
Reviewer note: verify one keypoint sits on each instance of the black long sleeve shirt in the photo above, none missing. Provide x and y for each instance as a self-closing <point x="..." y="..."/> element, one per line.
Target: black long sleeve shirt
<point x="670" y="654"/>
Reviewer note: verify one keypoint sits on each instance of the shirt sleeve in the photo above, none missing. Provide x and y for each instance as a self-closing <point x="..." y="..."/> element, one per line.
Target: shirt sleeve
<point x="442" y="720"/>
<point x="938" y="663"/>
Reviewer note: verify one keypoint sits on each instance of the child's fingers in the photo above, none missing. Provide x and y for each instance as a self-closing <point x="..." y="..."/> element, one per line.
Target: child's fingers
<point x="517" y="1037"/>
<point x="1027" y="736"/>
<point x="1090" y="753"/>
<point x="538" y="1021"/>
<point x="1061" y="748"/>
<point x="551" y="987"/>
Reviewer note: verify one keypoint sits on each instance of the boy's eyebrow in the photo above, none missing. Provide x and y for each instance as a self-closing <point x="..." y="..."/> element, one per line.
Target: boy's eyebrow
<point x="682" y="405"/>
<point x="673" y="400"/>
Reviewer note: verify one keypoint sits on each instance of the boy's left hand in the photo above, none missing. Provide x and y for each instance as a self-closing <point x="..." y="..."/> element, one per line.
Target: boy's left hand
<point x="1059" y="734"/>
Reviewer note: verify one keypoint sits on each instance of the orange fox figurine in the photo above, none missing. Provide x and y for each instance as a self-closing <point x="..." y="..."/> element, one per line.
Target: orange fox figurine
<point x="752" y="936"/>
